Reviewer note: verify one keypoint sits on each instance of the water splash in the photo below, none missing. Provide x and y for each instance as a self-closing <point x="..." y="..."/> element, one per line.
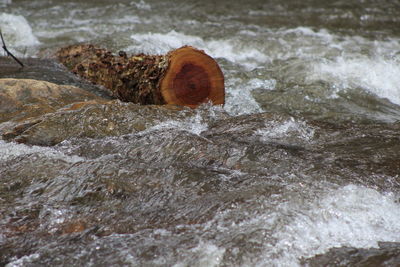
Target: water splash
<point x="205" y="254"/>
<point x="18" y="34"/>
<point x="5" y="3"/>
<point x="239" y="99"/>
<point x="233" y="50"/>
<point x="194" y="125"/>
<point x="24" y="260"/>
<point x="142" y="5"/>
<point x="378" y="76"/>
<point x="13" y="150"/>
<point x="352" y="216"/>
<point x="288" y="129"/>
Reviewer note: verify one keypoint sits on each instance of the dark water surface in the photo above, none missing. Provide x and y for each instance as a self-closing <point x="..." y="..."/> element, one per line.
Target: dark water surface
<point x="300" y="167"/>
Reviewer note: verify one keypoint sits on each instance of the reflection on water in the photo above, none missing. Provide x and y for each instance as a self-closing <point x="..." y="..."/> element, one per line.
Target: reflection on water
<point x="301" y="161"/>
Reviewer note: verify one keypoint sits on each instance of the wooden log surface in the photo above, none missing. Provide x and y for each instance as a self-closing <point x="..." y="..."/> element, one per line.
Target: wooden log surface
<point x="185" y="76"/>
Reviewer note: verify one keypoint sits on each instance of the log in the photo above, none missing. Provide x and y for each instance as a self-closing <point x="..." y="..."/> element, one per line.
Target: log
<point x="185" y="76"/>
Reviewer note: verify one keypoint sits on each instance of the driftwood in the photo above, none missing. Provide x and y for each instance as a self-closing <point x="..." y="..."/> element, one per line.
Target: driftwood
<point x="185" y="76"/>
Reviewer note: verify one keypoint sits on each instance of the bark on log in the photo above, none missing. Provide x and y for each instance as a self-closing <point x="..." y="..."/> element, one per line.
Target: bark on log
<point x="185" y="76"/>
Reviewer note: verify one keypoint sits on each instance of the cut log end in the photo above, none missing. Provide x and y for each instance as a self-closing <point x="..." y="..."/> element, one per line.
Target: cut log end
<point x="192" y="78"/>
<point x="185" y="76"/>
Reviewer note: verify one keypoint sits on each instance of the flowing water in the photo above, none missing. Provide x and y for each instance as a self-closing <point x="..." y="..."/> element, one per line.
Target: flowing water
<point x="300" y="167"/>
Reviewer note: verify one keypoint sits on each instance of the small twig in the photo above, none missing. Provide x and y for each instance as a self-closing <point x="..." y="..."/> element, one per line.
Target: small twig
<point x="8" y="52"/>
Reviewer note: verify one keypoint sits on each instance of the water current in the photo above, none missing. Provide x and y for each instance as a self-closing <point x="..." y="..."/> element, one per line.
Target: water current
<point x="299" y="167"/>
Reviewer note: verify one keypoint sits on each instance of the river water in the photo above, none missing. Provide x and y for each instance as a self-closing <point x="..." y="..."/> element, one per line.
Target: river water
<point x="303" y="159"/>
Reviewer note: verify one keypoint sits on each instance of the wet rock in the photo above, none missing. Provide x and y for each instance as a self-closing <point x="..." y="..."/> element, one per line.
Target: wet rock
<point x="47" y="70"/>
<point x="24" y="101"/>
<point x="21" y="99"/>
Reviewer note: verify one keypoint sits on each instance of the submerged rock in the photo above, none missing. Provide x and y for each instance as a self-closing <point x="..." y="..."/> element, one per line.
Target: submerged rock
<point x="388" y="254"/>
<point x="91" y="119"/>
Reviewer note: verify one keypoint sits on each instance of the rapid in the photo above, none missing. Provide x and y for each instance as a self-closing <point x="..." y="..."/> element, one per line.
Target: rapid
<point x="300" y="167"/>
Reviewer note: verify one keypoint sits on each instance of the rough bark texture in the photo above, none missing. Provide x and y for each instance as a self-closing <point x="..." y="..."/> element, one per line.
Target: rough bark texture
<point x="185" y="76"/>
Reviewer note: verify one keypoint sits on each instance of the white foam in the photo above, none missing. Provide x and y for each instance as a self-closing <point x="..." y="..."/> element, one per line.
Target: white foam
<point x="161" y="43"/>
<point x="205" y="254"/>
<point x="11" y="150"/>
<point x="306" y="31"/>
<point x="289" y="128"/>
<point x="376" y="75"/>
<point x="194" y="125"/>
<point x="240" y="101"/>
<point x="257" y="83"/>
<point x="237" y="51"/>
<point x="127" y="19"/>
<point x="52" y="218"/>
<point x="239" y="98"/>
<point x="5" y="2"/>
<point x="349" y="62"/>
<point x="312" y="45"/>
<point x="17" y="33"/>
<point x="23" y="261"/>
<point x="353" y="216"/>
<point x="142" y="5"/>
<point x="300" y="42"/>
